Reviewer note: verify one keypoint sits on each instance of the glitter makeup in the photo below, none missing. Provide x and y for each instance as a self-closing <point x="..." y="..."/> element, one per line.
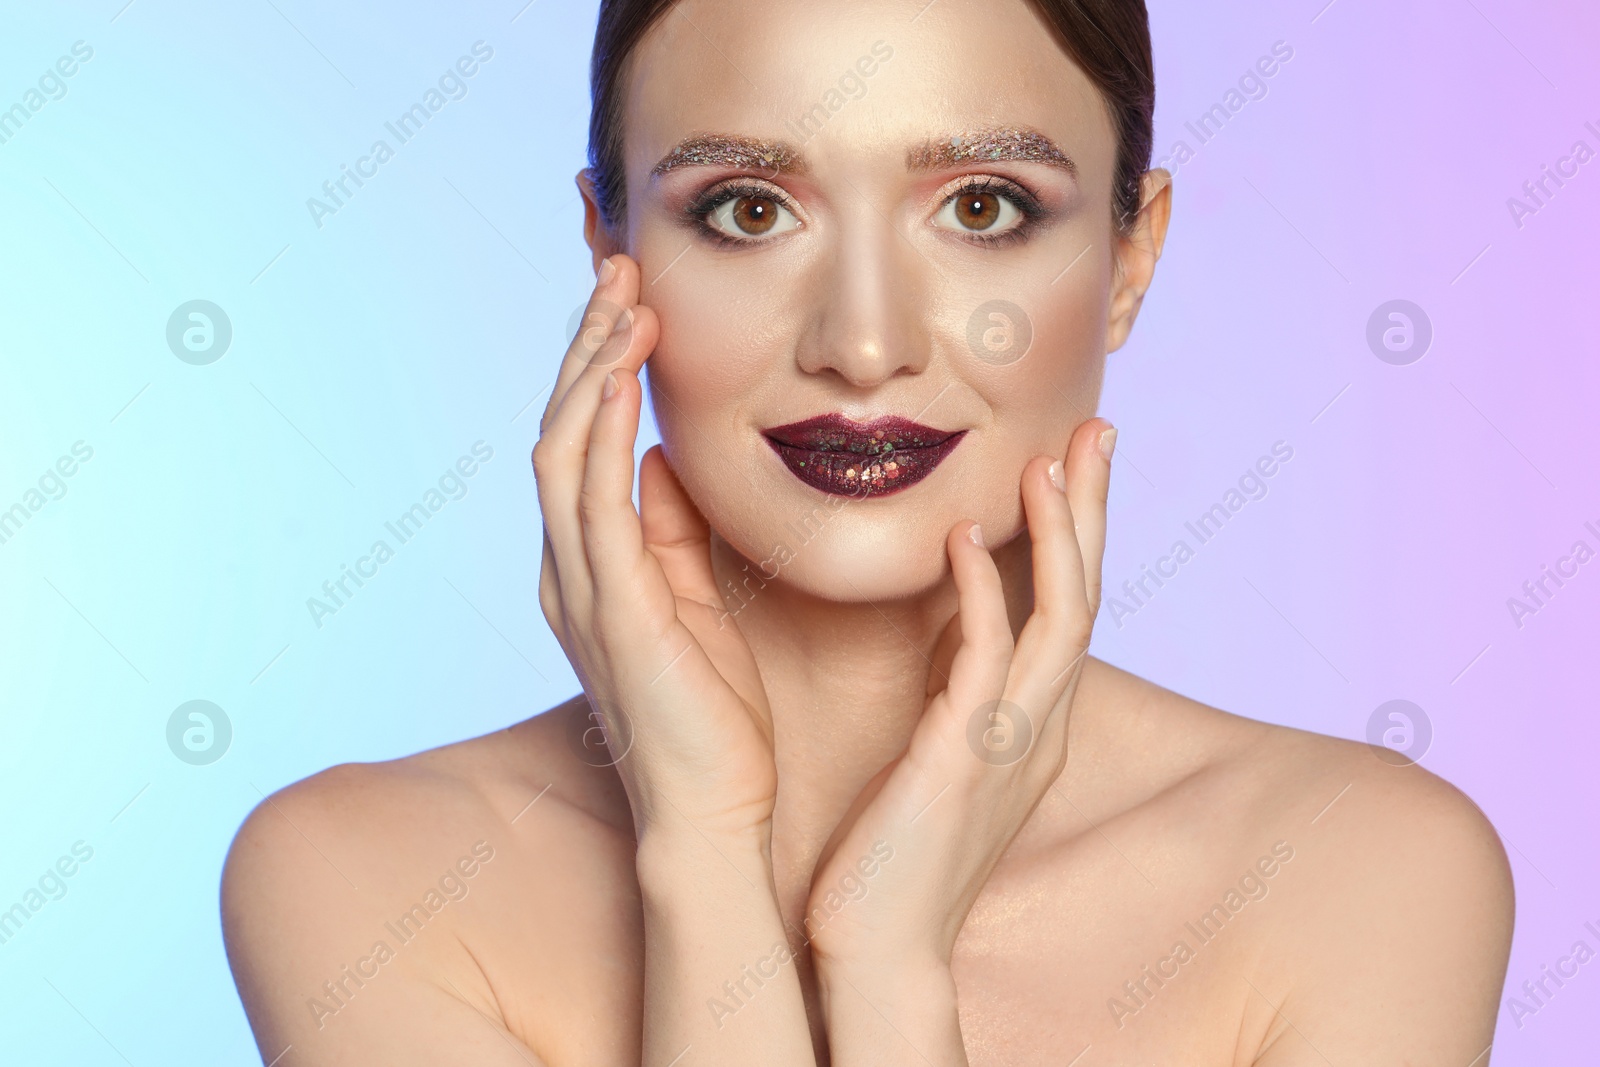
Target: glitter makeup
<point x="718" y="150"/>
<point x="989" y="146"/>
<point x="842" y="457"/>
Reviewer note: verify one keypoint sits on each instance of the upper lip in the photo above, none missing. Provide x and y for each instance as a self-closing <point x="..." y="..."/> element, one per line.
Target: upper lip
<point x="837" y="433"/>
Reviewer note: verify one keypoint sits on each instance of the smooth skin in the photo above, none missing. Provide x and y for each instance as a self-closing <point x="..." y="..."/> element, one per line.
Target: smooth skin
<point x="798" y="857"/>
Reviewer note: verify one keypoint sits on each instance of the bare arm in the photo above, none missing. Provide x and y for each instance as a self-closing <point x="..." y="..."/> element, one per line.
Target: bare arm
<point x="720" y="983"/>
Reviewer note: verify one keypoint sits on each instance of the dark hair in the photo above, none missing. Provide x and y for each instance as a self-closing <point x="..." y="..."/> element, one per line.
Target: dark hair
<point x="1108" y="39"/>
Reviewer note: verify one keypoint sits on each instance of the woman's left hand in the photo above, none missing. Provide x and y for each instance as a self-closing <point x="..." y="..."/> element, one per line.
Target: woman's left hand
<point x="926" y="832"/>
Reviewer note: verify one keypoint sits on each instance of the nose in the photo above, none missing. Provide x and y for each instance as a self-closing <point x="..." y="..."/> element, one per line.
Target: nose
<point x="871" y="317"/>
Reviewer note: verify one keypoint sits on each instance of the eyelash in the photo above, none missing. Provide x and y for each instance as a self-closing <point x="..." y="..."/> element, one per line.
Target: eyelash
<point x="714" y="197"/>
<point x="1026" y="203"/>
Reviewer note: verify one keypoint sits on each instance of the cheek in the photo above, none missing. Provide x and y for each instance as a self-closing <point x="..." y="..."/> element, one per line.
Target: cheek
<point x="724" y="332"/>
<point x="712" y="379"/>
<point x="1048" y="382"/>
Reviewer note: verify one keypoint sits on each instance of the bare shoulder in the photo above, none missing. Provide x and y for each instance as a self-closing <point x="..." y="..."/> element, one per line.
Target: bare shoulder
<point x="373" y="898"/>
<point x="1368" y="808"/>
<point x="1399" y="926"/>
<point x="1387" y="931"/>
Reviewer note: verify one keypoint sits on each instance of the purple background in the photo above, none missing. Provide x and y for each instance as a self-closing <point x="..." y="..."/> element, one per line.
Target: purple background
<point x="1420" y="497"/>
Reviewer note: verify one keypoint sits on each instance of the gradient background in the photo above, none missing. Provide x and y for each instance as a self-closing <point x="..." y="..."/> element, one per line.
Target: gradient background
<point x="429" y="314"/>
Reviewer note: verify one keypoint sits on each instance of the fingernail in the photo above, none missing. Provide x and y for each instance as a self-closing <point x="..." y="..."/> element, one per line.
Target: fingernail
<point x="608" y="388"/>
<point x="975" y="534"/>
<point x="1058" y="477"/>
<point x="1108" y="442"/>
<point x="608" y="270"/>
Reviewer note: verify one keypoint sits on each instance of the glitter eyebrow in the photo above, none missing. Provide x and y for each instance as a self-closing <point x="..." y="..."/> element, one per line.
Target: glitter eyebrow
<point x="720" y="150"/>
<point x="989" y="145"/>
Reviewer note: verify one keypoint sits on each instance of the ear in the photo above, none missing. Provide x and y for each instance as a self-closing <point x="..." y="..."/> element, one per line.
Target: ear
<point x="595" y="232"/>
<point x="1137" y="253"/>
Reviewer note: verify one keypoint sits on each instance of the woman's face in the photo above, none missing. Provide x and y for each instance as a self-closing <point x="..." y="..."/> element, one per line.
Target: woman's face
<point x="868" y="208"/>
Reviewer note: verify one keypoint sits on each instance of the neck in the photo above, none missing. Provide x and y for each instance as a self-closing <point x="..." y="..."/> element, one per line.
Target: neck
<point x="847" y="683"/>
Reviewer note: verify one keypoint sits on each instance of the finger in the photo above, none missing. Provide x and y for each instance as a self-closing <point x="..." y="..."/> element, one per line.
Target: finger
<point x="616" y="287"/>
<point x="550" y="601"/>
<point x="978" y="669"/>
<point x="615" y="282"/>
<point x="675" y="532"/>
<point x="561" y="456"/>
<point x="1058" y="629"/>
<point x="611" y="533"/>
<point x="627" y="348"/>
<point x="1088" y="484"/>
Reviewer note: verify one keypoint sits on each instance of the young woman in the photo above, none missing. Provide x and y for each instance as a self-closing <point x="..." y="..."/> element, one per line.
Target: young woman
<point x="843" y="784"/>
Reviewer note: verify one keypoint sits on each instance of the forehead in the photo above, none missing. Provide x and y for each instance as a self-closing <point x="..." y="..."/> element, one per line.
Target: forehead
<point x="857" y="79"/>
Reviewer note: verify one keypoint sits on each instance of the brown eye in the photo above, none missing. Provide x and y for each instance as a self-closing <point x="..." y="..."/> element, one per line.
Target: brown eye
<point x="755" y="215"/>
<point x="978" y="211"/>
<point x="981" y="212"/>
<point x="749" y="214"/>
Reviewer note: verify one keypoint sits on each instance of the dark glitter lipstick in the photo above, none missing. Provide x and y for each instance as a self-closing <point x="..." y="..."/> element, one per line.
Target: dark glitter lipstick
<point x="861" y="459"/>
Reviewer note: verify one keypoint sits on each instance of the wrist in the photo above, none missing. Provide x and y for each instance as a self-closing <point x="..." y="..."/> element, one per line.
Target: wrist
<point x="914" y="976"/>
<point x="905" y="1005"/>
<point x="847" y="949"/>
<point x="674" y="815"/>
<point x="677" y="855"/>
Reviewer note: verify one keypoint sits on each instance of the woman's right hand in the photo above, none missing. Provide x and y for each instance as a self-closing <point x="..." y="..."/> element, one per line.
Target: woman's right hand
<point x="631" y="596"/>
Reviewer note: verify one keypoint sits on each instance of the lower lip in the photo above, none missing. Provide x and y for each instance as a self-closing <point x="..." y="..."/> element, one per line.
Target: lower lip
<point x="856" y="474"/>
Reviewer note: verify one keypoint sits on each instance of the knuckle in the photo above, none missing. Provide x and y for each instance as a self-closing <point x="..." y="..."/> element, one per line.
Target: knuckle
<point x="601" y="635"/>
<point x="554" y="607"/>
<point x="550" y="604"/>
<point x="1076" y="633"/>
<point x="543" y="458"/>
<point x="591" y="501"/>
<point x="1070" y="628"/>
